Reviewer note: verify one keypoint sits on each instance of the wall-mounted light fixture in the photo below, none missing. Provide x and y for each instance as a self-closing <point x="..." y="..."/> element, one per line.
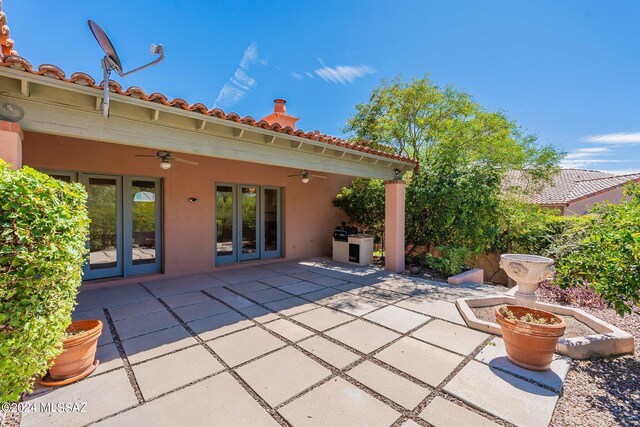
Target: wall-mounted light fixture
<point x="192" y="199"/>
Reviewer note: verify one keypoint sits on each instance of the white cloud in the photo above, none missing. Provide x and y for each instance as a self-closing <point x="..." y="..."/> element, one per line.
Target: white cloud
<point x="240" y="83"/>
<point x="584" y="153"/>
<point x="309" y="74"/>
<point x="344" y="74"/>
<point x="583" y="163"/>
<point x="297" y="76"/>
<point x="616" y="138"/>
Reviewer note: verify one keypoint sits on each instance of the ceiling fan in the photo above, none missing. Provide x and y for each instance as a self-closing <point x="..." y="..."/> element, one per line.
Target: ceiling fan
<point x="166" y="157"/>
<point x="306" y="176"/>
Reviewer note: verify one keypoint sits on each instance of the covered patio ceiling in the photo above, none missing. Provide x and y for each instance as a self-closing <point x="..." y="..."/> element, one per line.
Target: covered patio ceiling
<point x="54" y="104"/>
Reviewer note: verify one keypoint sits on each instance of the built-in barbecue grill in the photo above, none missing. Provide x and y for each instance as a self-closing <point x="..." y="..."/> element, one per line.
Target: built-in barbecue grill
<point x="351" y="247"/>
<point x="342" y="233"/>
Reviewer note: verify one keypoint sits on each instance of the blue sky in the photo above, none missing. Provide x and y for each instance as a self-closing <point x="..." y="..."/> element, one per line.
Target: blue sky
<point x="567" y="71"/>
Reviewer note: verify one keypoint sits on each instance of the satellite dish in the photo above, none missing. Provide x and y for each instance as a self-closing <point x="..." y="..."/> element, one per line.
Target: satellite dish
<point x="111" y="61"/>
<point x="106" y="45"/>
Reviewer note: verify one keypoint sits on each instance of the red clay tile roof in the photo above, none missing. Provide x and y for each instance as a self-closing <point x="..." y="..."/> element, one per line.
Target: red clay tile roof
<point x="6" y="43"/>
<point x="48" y="70"/>
<point x="571" y="184"/>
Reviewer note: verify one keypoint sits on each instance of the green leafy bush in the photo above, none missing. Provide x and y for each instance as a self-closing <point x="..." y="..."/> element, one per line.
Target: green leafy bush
<point x="363" y="202"/>
<point x="608" y="257"/>
<point x="44" y="226"/>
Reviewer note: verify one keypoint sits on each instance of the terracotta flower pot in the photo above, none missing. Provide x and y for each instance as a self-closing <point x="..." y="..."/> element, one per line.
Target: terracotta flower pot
<point x="530" y="345"/>
<point x="79" y="350"/>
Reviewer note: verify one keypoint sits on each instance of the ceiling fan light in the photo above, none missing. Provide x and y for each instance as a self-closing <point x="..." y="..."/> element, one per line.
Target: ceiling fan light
<point x="305" y="179"/>
<point x="165" y="164"/>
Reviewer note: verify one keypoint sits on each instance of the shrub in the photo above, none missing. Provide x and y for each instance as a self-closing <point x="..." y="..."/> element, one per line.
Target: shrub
<point x="42" y="245"/>
<point x="608" y="258"/>
<point x="363" y="202"/>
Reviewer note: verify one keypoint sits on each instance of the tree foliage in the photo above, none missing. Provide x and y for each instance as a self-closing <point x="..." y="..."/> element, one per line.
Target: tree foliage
<point x="608" y="257"/>
<point x="44" y="227"/>
<point x="464" y="151"/>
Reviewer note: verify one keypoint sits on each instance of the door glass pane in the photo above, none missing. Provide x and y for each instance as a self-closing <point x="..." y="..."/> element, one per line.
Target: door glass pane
<point x="143" y="218"/>
<point x="64" y="178"/>
<point x="102" y="204"/>
<point x="248" y="206"/>
<point x="224" y="220"/>
<point x="270" y="219"/>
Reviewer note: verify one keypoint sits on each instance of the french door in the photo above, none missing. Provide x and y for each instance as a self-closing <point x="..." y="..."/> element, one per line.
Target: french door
<point x="125" y="234"/>
<point x="248" y="222"/>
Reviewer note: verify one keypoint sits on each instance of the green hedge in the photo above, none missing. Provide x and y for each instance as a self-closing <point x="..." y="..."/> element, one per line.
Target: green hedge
<point x="43" y="225"/>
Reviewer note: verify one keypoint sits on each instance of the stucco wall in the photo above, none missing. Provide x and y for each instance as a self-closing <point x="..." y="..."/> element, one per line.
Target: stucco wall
<point x="581" y="207"/>
<point x="308" y="220"/>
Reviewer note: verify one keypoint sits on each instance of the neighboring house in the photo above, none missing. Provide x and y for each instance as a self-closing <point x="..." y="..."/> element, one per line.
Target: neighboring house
<point x="246" y="199"/>
<point x="575" y="191"/>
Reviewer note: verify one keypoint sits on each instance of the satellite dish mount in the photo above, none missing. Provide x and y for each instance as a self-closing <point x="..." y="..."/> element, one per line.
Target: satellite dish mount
<point x="111" y="62"/>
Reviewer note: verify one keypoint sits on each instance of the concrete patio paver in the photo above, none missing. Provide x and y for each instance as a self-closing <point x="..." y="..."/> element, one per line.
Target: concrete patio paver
<point x="363" y="336"/>
<point x="503" y="395"/>
<point x="200" y="310"/>
<point x="219" y="400"/>
<point x="267" y="295"/>
<point x="338" y="403"/>
<point x="282" y="374"/>
<point x="242" y="346"/>
<point x="259" y="314"/>
<point x="331" y="353"/>
<point x="291" y="306"/>
<point x="495" y="356"/>
<point x="249" y="287"/>
<point x="103" y="394"/>
<point x="279" y="280"/>
<point x="157" y="344"/>
<point x="353" y="304"/>
<point x="451" y="337"/>
<point x="442" y="413"/>
<point x="218" y="325"/>
<point x="144" y="324"/>
<point x="300" y="288"/>
<point x="234" y="300"/>
<point x="390" y="385"/>
<point x="322" y="318"/>
<point x="288" y="330"/>
<point x="434" y="308"/>
<point x="420" y="360"/>
<point x="109" y="358"/>
<point x="175" y="301"/>
<point x="174" y="370"/>
<point x="135" y="309"/>
<point x="397" y="318"/>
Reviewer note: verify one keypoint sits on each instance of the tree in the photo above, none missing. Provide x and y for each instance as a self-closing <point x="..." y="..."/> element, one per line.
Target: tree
<point x="608" y="258"/>
<point x="464" y="151"/>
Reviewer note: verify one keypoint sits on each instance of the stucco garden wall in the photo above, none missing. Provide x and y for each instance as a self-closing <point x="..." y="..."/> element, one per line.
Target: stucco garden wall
<point x="308" y="220"/>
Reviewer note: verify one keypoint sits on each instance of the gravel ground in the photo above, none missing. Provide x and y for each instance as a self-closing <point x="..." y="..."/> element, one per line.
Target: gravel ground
<point x="604" y="391"/>
<point x="575" y="328"/>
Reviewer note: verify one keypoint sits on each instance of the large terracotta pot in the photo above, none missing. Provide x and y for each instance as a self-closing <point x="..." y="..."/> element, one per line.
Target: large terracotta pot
<point x="79" y="351"/>
<point x="530" y="345"/>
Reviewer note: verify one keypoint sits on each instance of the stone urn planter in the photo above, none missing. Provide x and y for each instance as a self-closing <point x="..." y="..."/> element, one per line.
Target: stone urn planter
<point x="78" y="357"/>
<point x="528" y="271"/>
<point x="530" y="335"/>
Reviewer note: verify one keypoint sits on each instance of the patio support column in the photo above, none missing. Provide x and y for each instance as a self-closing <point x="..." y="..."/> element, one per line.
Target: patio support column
<point x="394" y="225"/>
<point x="11" y="143"/>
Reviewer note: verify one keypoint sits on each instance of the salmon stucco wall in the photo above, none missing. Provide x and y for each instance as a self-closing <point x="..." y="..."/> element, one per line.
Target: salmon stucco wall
<point x="583" y="206"/>
<point x="189" y="228"/>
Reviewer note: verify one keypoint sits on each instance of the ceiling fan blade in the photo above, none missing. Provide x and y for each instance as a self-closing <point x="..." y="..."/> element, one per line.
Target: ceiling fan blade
<point x="189" y="162"/>
<point x="145" y="155"/>
<point x="290" y="176"/>
<point x="319" y="176"/>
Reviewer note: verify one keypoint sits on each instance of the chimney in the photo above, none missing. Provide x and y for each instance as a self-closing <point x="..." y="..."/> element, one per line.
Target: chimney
<point x="280" y="115"/>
